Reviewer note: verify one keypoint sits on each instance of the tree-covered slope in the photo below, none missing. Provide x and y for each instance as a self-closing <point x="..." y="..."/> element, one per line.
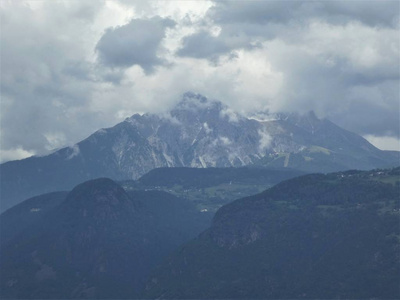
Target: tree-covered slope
<point x="22" y="216"/>
<point x="316" y="237"/>
<point x="100" y="242"/>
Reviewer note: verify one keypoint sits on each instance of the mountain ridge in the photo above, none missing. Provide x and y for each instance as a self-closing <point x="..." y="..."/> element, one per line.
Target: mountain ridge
<point x="197" y="132"/>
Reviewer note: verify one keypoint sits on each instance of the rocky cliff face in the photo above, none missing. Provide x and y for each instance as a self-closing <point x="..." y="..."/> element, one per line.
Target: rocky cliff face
<point x="197" y="132"/>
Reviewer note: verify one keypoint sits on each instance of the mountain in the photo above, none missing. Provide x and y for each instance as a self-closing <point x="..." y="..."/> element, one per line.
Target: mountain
<point x="334" y="236"/>
<point x="97" y="242"/>
<point x="197" y="132"/>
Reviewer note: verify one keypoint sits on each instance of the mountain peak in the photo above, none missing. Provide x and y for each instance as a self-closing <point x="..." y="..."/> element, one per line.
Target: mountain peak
<point x="195" y="102"/>
<point x="192" y="95"/>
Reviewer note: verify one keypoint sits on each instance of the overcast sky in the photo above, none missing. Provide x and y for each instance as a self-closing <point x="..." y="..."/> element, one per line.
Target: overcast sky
<point x="71" y="67"/>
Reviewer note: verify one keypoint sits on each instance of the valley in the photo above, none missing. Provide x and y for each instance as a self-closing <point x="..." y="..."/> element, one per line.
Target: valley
<point x="204" y="243"/>
<point x="210" y="188"/>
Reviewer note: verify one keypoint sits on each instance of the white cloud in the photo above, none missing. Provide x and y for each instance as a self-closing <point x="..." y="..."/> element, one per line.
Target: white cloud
<point x="55" y="140"/>
<point x="207" y="129"/>
<point x="384" y="142"/>
<point x="265" y="140"/>
<point x="14" y="154"/>
<point x="225" y="141"/>
<point x="230" y="114"/>
<point x="75" y="151"/>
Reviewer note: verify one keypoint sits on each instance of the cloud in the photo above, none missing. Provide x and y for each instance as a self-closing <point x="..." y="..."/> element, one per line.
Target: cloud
<point x="230" y="114"/>
<point x="74" y="150"/>
<point x="225" y="141"/>
<point x="207" y="128"/>
<point x="14" y="154"/>
<point x="43" y="71"/>
<point x="136" y="43"/>
<point x="384" y="142"/>
<point x="202" y="45"/>
<point x="265" y="140"/>
<point x="361" y="76"/>
<point x="69" y="68"/>
<point x="333" y="57"/>
<point x="371" y="13"/>
<point x="55" y="140"/>
<point x="244" y="24"/>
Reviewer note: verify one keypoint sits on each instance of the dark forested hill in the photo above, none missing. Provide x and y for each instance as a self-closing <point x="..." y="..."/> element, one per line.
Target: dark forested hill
<point x="22" y="216"/>
<point x="334" y="236"/>
<point x="96" y="242"/>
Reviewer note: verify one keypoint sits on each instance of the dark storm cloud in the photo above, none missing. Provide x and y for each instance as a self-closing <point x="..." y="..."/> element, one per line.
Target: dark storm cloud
<point x="135" y="43"/>
<point x="369" y="118"/>
<point x="203" y="45"/>
<point x="371" y="13"/>
<point x="260" y="12"/>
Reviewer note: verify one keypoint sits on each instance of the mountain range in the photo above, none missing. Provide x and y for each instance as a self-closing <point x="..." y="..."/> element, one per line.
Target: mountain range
<point x="197" y="132"/>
